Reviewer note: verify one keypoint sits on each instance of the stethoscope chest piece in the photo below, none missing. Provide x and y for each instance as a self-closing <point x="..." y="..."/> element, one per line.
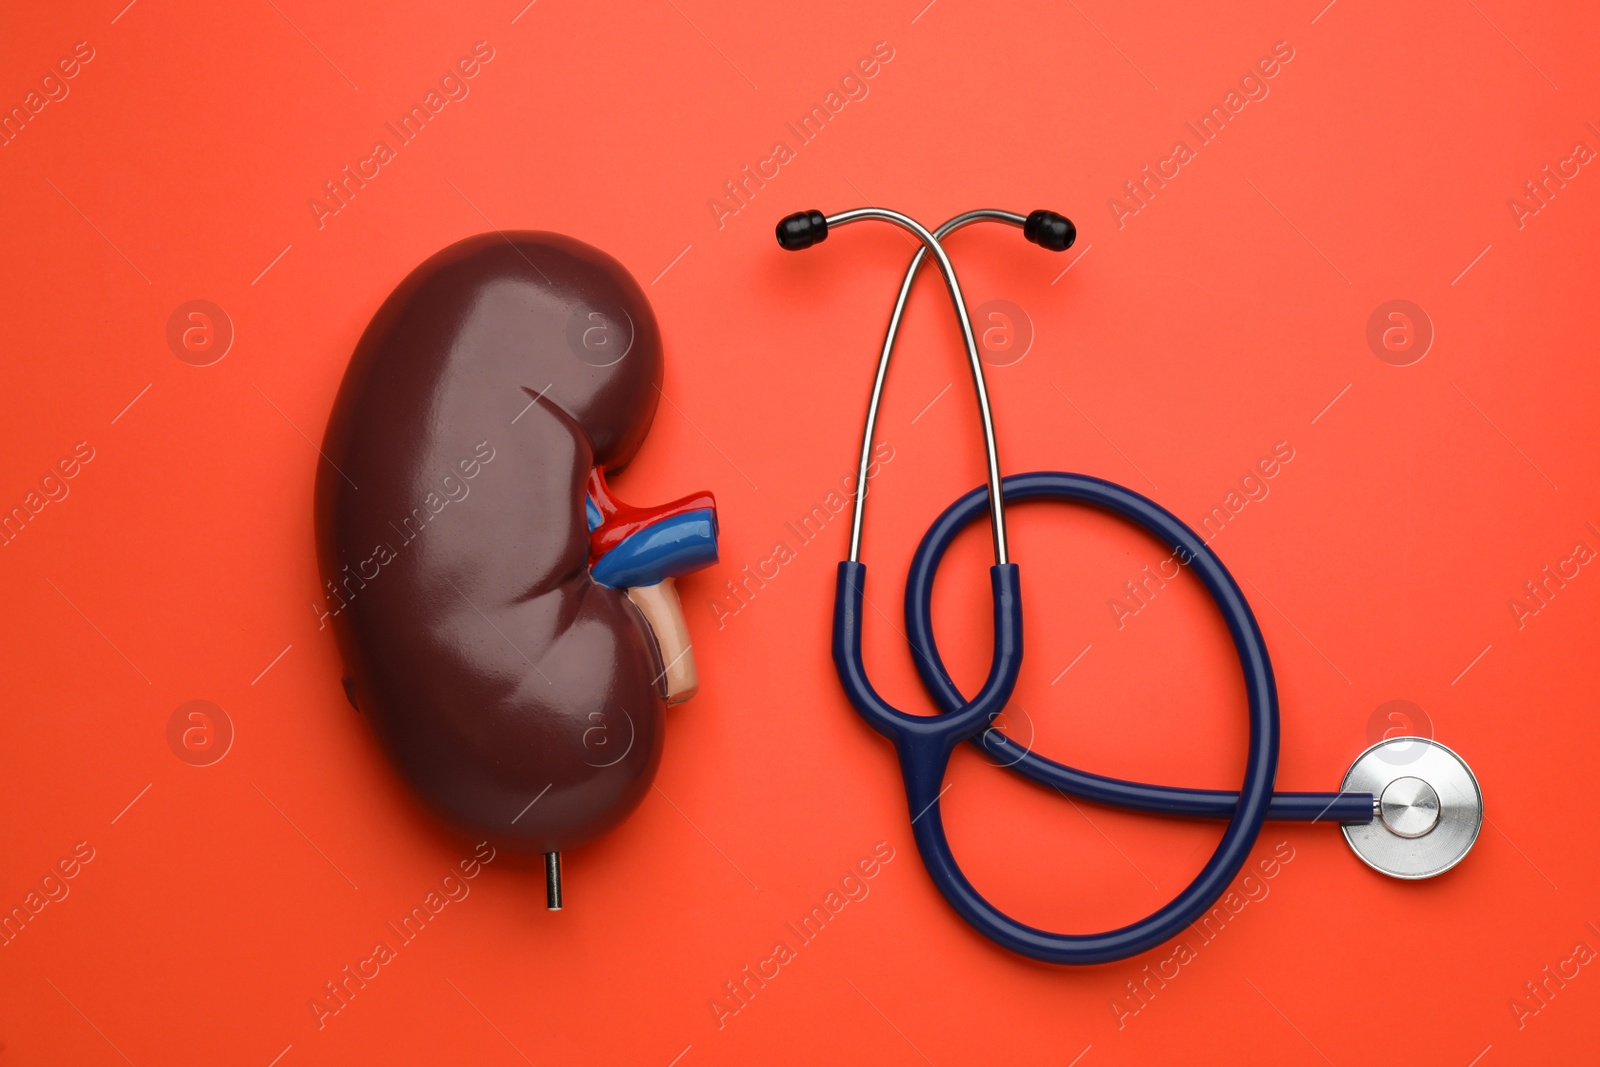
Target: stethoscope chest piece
<point x="1428" y="808"/>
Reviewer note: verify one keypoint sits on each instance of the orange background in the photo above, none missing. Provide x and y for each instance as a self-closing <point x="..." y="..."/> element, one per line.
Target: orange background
<point x="1225" y="316"/>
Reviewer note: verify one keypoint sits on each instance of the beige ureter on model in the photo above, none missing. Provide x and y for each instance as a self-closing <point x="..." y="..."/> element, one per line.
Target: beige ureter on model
<point x="661" y="608"/>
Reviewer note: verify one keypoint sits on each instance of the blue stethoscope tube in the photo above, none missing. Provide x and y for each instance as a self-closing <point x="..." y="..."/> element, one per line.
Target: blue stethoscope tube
<point x="1189" y="549"/>
<point x="924" y="743"/>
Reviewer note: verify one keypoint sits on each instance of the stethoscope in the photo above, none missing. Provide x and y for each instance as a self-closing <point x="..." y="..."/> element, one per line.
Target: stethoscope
<point x="1409" y="806"/>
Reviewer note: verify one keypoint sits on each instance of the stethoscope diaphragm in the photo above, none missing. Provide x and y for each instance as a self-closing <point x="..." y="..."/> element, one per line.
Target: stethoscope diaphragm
<point x="1427" y="807"/>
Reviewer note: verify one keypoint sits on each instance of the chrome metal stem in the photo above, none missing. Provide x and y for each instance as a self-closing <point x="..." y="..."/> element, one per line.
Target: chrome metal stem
<point x="930" y="243"/>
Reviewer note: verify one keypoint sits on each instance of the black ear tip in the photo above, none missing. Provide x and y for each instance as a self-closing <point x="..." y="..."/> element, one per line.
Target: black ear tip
<point x="1047" y="229"/>
<point x="802" y="230"/>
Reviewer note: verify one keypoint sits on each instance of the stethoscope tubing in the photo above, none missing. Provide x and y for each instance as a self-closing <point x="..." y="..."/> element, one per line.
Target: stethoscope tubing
<point x="924" y="744"/>
<point x="1113" y="792"/>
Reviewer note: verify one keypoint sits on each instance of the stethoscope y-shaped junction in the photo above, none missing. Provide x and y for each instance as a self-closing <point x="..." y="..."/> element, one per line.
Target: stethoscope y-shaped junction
<point x="1410" y="825"/>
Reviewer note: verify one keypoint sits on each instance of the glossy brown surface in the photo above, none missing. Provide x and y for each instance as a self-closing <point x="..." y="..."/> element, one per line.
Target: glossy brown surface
<point x="519" y="698"/>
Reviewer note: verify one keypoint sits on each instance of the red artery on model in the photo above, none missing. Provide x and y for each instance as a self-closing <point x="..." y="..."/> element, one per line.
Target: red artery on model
<point x="619" y="521"/>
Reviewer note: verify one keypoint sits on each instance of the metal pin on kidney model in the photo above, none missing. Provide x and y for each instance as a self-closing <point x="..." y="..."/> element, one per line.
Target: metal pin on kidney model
<point x="510" y="628"/>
